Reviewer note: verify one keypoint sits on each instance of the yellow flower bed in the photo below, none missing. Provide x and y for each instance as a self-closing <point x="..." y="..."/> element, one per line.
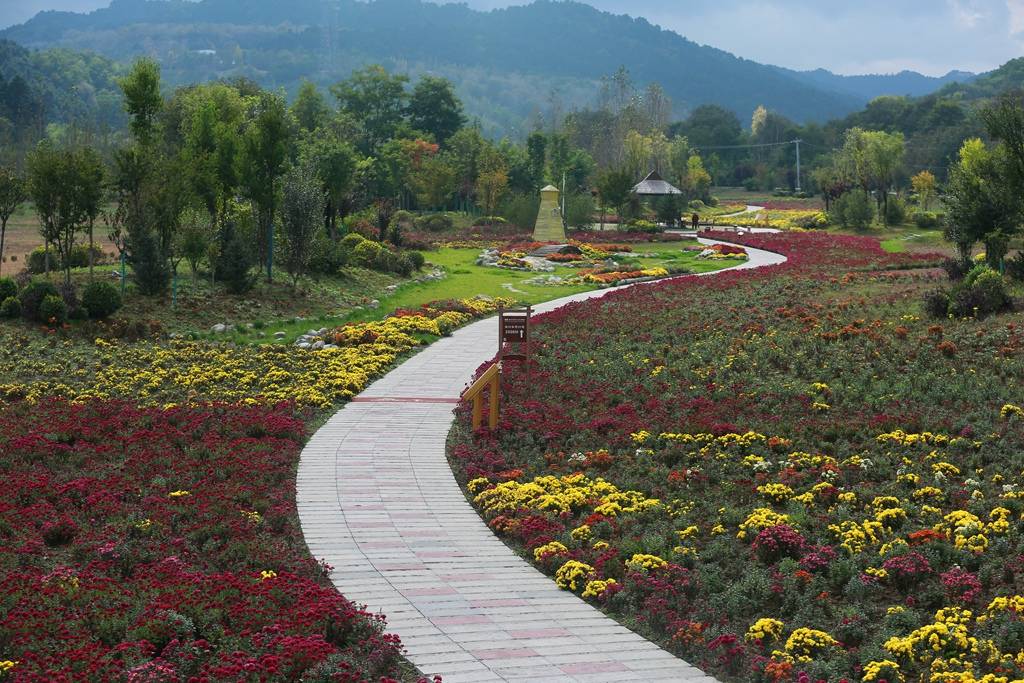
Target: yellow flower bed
<point x="181" y="371"/>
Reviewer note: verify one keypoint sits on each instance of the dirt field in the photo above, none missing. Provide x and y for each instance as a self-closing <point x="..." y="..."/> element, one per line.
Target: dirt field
<point x="23" y="236"/>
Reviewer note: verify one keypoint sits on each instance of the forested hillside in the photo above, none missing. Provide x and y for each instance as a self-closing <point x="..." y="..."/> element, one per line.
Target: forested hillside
<point x="508" y="65"/>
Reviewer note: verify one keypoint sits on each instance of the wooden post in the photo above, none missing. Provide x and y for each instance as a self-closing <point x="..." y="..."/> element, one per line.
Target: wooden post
<point x="495" y="400"/>
<point x="489" y="381"/>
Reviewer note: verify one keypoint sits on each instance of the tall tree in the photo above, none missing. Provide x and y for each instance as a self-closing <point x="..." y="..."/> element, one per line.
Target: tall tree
<point x="536" y="150"/>
<point x="377" y="99"/>
<point x="13" y="194"/>
<point x="302" y="208"/>
<point x="309" y="108"/>
<point x="335" y="164"/>
<point x="65" y="188"/>
<point x="264" y="152"/>
<point x="981" y="201"/>
<point x="924" y="185"/>
<point x="434" y="108"/>
<point x="142" y="99"/>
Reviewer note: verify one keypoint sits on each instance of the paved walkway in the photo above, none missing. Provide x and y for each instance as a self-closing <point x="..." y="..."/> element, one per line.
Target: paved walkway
<point x="378" y="502"/>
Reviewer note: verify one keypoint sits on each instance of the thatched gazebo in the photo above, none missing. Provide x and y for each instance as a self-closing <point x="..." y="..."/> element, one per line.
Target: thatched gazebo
<point x="654" y="186"/>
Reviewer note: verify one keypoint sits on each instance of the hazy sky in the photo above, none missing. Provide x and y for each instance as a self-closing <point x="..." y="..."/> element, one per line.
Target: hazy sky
<point x="846" y="36"/>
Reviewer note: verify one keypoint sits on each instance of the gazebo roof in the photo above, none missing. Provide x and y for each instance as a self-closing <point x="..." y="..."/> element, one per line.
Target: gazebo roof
<point x="655" y="186"/>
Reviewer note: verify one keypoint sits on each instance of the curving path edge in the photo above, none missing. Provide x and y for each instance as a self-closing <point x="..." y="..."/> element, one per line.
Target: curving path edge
<point x="378" y="502"/>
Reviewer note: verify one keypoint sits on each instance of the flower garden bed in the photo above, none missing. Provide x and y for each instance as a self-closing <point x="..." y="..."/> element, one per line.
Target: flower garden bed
<point x="149" y="544"/>
<point x="149" y="521"/>
<point x="783" y="474"/>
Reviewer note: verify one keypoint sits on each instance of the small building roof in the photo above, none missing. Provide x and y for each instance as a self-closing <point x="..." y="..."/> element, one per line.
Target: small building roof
<point x="655" y="186"/>
<point x="549" y="188"/>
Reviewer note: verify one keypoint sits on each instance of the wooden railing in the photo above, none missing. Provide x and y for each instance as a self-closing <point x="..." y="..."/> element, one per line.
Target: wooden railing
<point x="489" y="381"/>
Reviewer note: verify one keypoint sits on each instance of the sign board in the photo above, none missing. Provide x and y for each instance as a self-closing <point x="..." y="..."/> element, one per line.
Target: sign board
<point x="514" y="333"/>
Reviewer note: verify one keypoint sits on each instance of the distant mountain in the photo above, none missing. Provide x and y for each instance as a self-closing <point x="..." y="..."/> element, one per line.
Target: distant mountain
<point x="507" y="64"/>
<point x="868" y="87"/>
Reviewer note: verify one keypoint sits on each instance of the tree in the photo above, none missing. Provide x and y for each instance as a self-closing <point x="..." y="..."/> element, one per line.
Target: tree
<point x="434" y="182"/>
<point x="924" y="185"/>
<point x="981" y="201"/>
<point x="536" y="151"/>
<point x="335" y="164"/>
<point x="434" y="108"/>
<point x="615" y="187"/>
<point x="698" y="180"/>
<point x="264" y="152"/>
<point x="65" y="186"/>
<point x="142" y="99"/>
<point x="192" y="241"/>
<point x="309" y="108"/>
<point x="377" y="99"/>
<point x="491" y="186"/>
<point x="885" y="156"/>
<point x="13" y="194"/>
<point x="89" y="172"/>
<point x="302" y="209"/>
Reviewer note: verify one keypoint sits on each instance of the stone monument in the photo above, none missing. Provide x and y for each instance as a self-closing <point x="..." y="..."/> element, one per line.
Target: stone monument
<point x="549" y="219"/>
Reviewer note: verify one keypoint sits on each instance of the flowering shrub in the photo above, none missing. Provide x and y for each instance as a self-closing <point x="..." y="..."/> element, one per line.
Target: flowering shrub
<point x="875" y="538"/>
<point x="146" y="544"/>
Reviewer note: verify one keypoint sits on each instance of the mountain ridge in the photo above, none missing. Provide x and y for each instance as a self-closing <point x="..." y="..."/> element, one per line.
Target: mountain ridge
<point x="508" y="64"/>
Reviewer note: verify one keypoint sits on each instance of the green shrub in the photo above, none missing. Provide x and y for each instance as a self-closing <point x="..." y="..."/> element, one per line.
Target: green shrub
<point x="484" y="221"/>
<point x="365" y="253"/>
<point x="35" y="263"/>
<point x="327" y="256"/>
<point x="79" y="258"/>
<point x="640" y="225"/>
<point x="895" y="211"/>
<point x="53" y="310"/>
<point x="1015" y="267"/>
<point x="352" y="240"/>
<point x="101" y="299"/>
<point x="520" y="210"/>
<point x="8" y="288"/>
<point x="991" y="292"/>
<point x="150" y="270"/>
<point x="404" y="265"/>
<point x="234" y="267"/>
<point x="386" y="261"/>
<point x="926" y="220"/>
<point x="417" y="259"/>
<point x="853" y="209"/>
<point x="31" y="298"/>
<point x="437" y="222"/>
<point x="10" y="308"/>
<point x="936" y="303"/>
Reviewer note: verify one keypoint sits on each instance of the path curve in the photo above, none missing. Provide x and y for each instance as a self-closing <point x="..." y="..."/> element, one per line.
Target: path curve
<point x="378" y="502"/>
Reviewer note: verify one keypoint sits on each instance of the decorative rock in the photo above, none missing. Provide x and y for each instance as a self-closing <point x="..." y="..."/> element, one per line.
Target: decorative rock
<point x="373" y="304"/>
<point x="280" y="334"/>
<point x="219" y="328"/>
<point x="303" y="345"/>
<point x="317" y="345"/>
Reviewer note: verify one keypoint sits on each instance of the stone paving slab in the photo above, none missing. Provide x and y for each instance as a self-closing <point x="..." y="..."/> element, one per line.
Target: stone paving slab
<point x="378" y="502"/>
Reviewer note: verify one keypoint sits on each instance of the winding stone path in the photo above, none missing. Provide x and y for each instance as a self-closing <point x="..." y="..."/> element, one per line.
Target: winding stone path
<point x="378" y="502"/>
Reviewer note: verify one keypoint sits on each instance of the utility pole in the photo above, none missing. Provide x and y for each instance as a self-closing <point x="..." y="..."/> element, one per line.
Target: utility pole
<point x="798" y="141"/>
<point x="564" y="223"/>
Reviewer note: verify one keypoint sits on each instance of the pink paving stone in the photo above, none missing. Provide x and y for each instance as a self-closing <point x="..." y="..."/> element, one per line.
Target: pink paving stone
<point x="438" y="554"/>
<point x="421" y="592"/>
<point x="424" y="533"/>
<point x="469" y="576"/>
<point x="459" y="621"/>
<point x="381" y="545"/>
<point x="400" y="567"/>
<point x="371" y="525"/>
<point x="593" y="668"/>
<point x="500" y="602"/>
<point x="540" y="633"/>
<point x="506" y="653"/>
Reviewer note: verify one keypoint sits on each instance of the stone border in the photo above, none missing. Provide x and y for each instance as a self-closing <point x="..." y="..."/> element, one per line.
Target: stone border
<point x="378" y="502"/>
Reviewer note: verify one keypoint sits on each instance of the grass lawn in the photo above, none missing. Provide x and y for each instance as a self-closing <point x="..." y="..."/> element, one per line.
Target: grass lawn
<point x="465" y="280"/>
<point x="897" y="239"/>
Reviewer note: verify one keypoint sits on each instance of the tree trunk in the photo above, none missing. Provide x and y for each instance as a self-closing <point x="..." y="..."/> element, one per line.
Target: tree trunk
<point x="90" y="251"/>
<point x="3" y="234"/>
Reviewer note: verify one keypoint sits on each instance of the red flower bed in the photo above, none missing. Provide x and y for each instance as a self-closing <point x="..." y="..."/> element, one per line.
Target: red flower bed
<point x="163" y="545"/>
